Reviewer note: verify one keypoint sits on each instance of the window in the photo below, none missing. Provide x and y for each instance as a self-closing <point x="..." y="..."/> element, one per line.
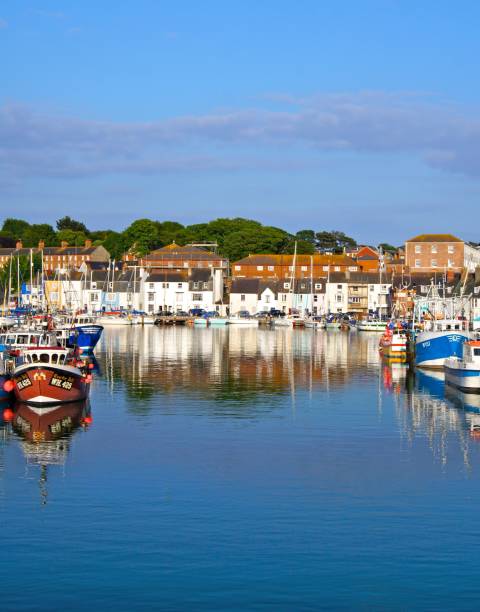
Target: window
<point x="418" y="263"/>
<point x="326" y="268"/>
<point x="339" y="287"/>
<point x="205" y="285"/>
<point x="197" y="297"/>
<point x="355" y="288"/>
<point x="290" y="268"/>
<point x="170" y="264"/>
<point x="238" y="267"/>
<point x="94" y="297"/>
<point x="242" y="297"/>
<point x="302" y="285"/>
<point x="195" y="285"/>
<point x="318" y="285"/>
<point x="286" y="285"/>
<point x="304" y="268"/>
<point x="315" y="298"/>
<point x="270" y="268"/>
<point x="353" y="268"/>
<point x="434" y="248"/>
<point x="284" y="297"/>
<point x="165" y="285"/>
<point x="355" y="300"/>
<point x="185" y="264"/>
<point x="337" y="268"/>
<point x="339" y="297"/>
<point x="179" y="285"/>
<point x="476" y="289"/>
<point x="451" y="249"/>
<point x="151" y="297"/>
<point x="260" y="268"/>
<point x="110" y="297"/>
<point x="372" y="287"/>
<point x="418" y="248"/>
<point x="151" y="286"/>
<point x="267" y="299"/>
<point x="433" y="263"/>
<point x="450" y="263"/>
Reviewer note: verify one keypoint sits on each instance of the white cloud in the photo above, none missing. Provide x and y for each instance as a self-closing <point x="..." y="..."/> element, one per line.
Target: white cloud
<point x="443" y="135"/>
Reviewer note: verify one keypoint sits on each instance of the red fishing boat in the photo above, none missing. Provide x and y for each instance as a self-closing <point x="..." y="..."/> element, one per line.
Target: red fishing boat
<point x="51" y="376"/>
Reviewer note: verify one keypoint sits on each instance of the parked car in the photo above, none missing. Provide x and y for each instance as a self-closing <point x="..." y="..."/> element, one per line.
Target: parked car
<point x="164" y="313"/>
<point x="196" y="312"/>
<point x="276" y="313"/>
<point x="263" y="314"/>
<point x="181" y="313"/>
<point x="243" y="314"/>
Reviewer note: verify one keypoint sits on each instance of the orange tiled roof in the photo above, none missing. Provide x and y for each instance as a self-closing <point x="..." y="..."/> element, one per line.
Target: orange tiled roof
<point x="302" y="260"/>
<point x="435" y="238"/>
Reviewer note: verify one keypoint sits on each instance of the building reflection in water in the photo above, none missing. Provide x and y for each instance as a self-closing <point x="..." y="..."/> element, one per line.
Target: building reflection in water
<point x="45" y="434"/>
<point x="234" y="362"/>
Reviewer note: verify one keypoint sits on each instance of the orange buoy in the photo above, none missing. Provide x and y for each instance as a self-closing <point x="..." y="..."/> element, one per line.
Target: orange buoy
<point x="8" y="386"/>
<point x="7" y="414"/>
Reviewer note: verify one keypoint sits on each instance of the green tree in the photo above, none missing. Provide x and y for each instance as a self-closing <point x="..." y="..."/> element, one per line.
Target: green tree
<point x="142" y="236"/>
<point x="115" y="244"/>
<point x="73" y="237"/>
<point x="15" y="228"/>
<point x="303" y="247"/>
<point x="334" y="240"/>
<point x="387" y="248"/>
<point x="37" y="232"/>
<point x="23" y="264"/>
<point x="67" y="223"/>
<point x="306" y="236"/>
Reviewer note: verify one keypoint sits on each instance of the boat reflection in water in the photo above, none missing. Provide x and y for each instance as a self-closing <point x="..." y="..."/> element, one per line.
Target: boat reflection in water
<point x="45" y="433"/>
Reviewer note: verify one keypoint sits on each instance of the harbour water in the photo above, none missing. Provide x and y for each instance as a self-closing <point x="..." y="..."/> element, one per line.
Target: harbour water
<point x="239" y="468"/>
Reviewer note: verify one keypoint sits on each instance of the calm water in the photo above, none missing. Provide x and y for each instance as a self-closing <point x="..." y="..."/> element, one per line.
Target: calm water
<point x="238" y="469"/>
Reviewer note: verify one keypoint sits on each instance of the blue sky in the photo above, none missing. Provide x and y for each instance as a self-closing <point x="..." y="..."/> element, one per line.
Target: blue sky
<point x="359" y="116"/>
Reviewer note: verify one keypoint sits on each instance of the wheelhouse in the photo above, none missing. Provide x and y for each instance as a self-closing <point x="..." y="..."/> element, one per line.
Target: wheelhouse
<point x="46" y="357"/>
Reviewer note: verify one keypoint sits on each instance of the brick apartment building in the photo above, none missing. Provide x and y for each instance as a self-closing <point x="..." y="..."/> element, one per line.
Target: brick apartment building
<point x="63" y="257"/>
<point x="438" y="252"/>
<point x="281" y="266"/>
<point x="186" y="257"/>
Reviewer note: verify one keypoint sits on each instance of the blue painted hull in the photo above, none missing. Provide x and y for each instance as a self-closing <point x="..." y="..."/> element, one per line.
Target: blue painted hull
<point x="86" y="337"/>
<point x="432" y="348"/>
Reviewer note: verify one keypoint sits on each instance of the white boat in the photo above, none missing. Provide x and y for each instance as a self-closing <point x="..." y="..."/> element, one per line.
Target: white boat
<point x="293" y="320"/>
<point x="315" y="323"/>
<point x="242" y="320"/>
<point x="372" y="325"/>
<point x="108" y="320"/>
<point x="464" y="372"/>
<point x="333" y="325"/>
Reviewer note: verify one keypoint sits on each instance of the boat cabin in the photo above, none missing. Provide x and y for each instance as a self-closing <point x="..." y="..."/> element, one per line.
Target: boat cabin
<point x="446" y="325"/>
<point x="25" y="339"/>
<point x="471" y="351"/>
<point x="48" y="357"/>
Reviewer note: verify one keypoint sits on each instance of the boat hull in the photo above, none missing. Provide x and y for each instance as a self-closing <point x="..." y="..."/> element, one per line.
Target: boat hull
<point x="467" y="380"/>
<point x="44" y="385"/>
<point x="433" y="348"/>
<point x="86" y="337"/>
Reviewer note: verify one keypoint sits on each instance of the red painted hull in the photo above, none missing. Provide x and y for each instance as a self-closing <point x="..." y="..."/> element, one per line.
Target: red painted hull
<point x="35" y="425"/>
<point x="44" y="385"/>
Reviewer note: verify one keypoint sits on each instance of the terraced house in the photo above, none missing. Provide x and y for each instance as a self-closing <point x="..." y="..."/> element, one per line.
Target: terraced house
<point x="282" y="266"/>
<point x="439" y="252"/>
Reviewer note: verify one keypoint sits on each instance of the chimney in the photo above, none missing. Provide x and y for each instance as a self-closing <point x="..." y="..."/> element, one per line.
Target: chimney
<point x="88" y="243"/>
<point x="64" y="244"/>
<point x="19" y="245"/>
<point x="41" y="245"/>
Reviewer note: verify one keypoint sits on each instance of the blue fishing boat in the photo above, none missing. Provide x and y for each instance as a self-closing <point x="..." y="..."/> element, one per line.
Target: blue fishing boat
<point x="444" y="340"/>
<point x="84" y="334"/>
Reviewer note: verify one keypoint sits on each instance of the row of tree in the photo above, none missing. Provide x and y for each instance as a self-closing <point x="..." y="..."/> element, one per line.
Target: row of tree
<point x="236" y="237"/>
